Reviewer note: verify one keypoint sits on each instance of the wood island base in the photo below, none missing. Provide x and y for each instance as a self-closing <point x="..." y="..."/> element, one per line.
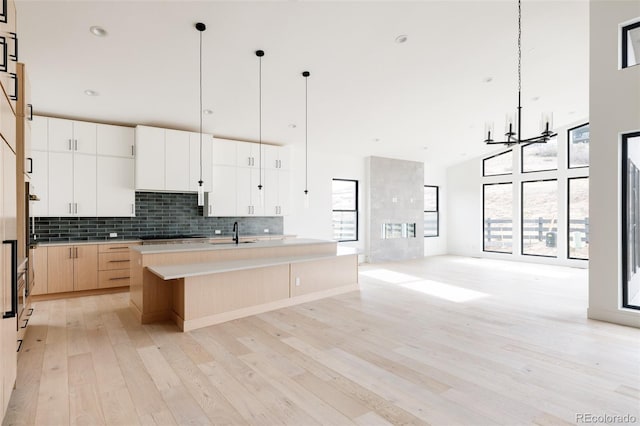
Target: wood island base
<point x="196" y="295"/>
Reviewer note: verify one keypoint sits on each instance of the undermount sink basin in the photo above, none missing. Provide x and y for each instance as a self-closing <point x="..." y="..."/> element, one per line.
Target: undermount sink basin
<point x="232" y="243"/>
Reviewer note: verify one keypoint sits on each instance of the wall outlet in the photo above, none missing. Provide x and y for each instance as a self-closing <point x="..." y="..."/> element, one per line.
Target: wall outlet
<point x="266" y="231"/>
<point x="217" y="232"/>
<point x="35" y="237"/>
<point x="113" y="234"/>
<point x="297" y="281"/>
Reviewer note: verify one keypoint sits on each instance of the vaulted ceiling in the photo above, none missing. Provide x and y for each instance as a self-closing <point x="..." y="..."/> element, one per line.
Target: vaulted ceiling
<point x="425" y="99"/>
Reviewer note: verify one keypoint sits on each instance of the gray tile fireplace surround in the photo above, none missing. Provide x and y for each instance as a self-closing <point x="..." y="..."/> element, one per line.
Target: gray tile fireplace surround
<point x="157" y="214"/>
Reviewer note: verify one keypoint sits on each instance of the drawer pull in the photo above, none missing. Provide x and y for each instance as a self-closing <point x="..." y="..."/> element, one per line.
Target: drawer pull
<point x="118" y="261"/>
<point x="118" y="248"/>
<point x="19" y="345"/>
<point x="25" y="323"/>
<point x="119" y="278"/>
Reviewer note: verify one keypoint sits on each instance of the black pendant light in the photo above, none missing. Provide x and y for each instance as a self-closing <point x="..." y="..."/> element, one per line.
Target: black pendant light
<point x="306" y="75"/>
<point x="513" y="131"/>
<point x="200" y="27"/>
<point x="260" y="54"/>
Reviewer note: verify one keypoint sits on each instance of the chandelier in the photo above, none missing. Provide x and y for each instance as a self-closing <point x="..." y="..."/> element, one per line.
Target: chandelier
<point x="513" y="131"/>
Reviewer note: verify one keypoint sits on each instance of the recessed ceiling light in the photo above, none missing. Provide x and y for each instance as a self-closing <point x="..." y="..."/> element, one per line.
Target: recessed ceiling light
<point x="207" y="112"/>
<point x="535" y="98"/>
<point x="292" y="126"/>
<point x="425" y="147"/>
<point x="90" y="92"/>
<point x="402" y="38"/>
<point x="571" y="112"/>
<point x="487" y="79"/>
<point x="376" y="139"/>
<point x="98" y="31"/>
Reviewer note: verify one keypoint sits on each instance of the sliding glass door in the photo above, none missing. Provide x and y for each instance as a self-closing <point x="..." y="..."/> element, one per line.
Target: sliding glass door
<point x="631" y="220"/>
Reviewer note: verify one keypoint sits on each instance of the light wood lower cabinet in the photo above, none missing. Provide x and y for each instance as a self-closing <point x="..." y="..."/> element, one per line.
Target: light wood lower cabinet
<point x="39" y="281"/>
<point x="72" y="268"/>
<point x="68" y="268"/>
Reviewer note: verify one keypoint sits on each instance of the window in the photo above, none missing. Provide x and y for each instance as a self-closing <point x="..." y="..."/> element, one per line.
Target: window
<point x="537" y="157"/>
<point x="631" y="220"/>
<point x="345" y="209"/>
<point x="630" y="45"/>
<point x="499" y="164"/>
<point x="578" y="139"/>
<point x="497" y="213"/>
<point x="431" y="207"/>
<point x="578" y="228"/>
<point x="540" y="218"/>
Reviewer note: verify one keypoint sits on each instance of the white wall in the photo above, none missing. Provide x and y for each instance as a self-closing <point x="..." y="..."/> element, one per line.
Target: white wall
<point x="436" y="175"/>
<point x="464" y="206"/>
<point x="614" y="108"/>
<point x="315" y="222"/>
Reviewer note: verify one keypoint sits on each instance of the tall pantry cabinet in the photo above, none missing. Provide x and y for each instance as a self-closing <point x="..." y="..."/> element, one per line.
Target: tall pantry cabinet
<point x="8" y="207"/>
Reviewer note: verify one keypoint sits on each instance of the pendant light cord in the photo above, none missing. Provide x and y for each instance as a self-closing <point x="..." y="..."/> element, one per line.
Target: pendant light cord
<point x="519" y="46"/>
<point x="260" y="119"/>
<point x="200" y="181"/>
<point x="306" y="134"/>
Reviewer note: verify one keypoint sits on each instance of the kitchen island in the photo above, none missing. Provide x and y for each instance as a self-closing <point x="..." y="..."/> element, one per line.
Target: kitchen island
<point x="202" y="284"/>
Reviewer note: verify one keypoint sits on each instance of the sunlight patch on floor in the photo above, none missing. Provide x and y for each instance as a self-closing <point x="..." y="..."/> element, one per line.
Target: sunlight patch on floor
<point x="444" y="291"/>
<point x="432" y="288"/>
<point x="549" y="271"/>
<point x="390" y="277"/>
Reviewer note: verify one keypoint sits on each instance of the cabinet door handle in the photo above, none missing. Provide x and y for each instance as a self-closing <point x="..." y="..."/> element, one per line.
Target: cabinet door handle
<point x="14" y="76"/>
<point x="69" y="144"/>
<point x="25" y="323"/>
<point x="19" y="345"/>
<point x="30" y="160"/>
<point x="14" y="280"/>
<point x="76" y="252"/>
<point x="132" y="153"/>
<point x="4" y="66"/>
<point x="210" y="207"/>
<point x="30" y="106"/>
<point x="70" y="253"/>
<point x="75" y="143"/>
<point x="70" y="211"/>
<point x="75" y="208"/>
<point x="14" y="57"/>
<point x="133" y="209"/>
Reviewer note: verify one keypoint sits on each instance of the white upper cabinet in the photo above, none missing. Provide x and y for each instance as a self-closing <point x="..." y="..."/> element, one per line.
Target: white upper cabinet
<point x="116" y="141"/>
<point x="115" y="181"/>
<point x="40" y="183"/>
<point x="225" y="152"/>
<point x="69" y="135"/>
<point x="176" y="161"/>
<point x="194" y="161"/>
<point x="39" y="134"/>
<point x="223" y="198"/>
<point x="249" y="201"/>
<point x="275" y="157"/>
<point x="72" y="184"/>
<point x="248" y="154"/>
<point x="150" y="154"/>
<point x="277" y="193"/>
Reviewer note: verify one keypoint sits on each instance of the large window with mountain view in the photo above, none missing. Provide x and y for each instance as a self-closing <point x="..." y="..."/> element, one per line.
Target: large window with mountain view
<point x="540" y="218"/>
<point x="578" y="140"/>
<point x="345" y="209"/>
<point x="578" y="229"/>
<point x="497" y="200"/>
<point x="631" y="220"/>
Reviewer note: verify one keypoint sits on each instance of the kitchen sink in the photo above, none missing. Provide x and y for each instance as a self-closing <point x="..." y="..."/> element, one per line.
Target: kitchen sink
<point x="233" y="243"/>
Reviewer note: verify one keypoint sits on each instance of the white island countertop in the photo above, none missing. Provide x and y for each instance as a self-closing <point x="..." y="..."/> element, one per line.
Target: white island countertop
<point x="186" y="247"/>
<point x="169" y="272"/>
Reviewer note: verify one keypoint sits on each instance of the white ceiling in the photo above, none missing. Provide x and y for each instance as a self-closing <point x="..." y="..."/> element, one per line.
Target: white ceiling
<point x="428" y="92"/>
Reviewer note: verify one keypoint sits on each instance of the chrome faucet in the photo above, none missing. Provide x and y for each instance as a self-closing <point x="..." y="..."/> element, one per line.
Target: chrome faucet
<point x="236" y="231"/>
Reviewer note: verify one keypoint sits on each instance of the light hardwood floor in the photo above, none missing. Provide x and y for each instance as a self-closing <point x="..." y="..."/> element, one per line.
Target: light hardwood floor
<point x="443" y="341"/>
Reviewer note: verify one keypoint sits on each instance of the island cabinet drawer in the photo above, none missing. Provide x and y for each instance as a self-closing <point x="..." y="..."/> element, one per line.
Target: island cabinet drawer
<point x="117" y="260"/>
<point x="114" y="278"/>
